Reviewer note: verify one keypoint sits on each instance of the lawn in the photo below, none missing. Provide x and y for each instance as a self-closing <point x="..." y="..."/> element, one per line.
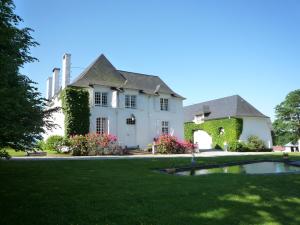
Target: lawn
<point x="15" y="153"/>
<point x="129" y="192"/>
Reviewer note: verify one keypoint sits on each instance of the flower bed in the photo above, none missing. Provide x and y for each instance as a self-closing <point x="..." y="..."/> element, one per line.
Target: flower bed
<point x="95" y="144"/>
<point x="167" y="144"/>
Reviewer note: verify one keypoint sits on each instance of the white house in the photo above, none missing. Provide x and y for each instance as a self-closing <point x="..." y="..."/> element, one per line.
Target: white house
<point x="254" y="122"/>
<point x="135" y="107"/>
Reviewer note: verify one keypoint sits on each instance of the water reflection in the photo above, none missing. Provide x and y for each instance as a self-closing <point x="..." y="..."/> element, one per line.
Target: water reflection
<point x="252" y="168"/>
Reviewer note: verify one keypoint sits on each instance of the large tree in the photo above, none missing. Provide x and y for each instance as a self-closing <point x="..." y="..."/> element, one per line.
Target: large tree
<point x="287" y="123"/>
<point x="22" y="115"/>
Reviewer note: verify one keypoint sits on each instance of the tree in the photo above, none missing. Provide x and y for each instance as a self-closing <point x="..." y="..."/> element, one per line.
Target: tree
<point x="22" y="115"/>
<point x="287" y="123"/>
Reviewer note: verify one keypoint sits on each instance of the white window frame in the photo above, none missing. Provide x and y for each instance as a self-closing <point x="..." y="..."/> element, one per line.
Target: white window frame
<point x="165" y="127"/>
<point x="101" y="99"/>
<point x="102" y="125"/>
<point x="130" y="101"/>
<point x="164" y="104"/>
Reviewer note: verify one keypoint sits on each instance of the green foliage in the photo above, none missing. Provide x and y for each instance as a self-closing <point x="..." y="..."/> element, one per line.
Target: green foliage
<point x="232" y="130"/>
<point x="95" y="144"/>
<point x="53" y="143"/>
<point x="22" y="107"/>
<point x="4" y="154"/>
<point x="287" y="123"/>
<point x="75" y="105"/>
<point x="255" y="143"/>
<point x="235" y="146"/>
<point x="168" y="144"/>
<point x="41" y="144"/>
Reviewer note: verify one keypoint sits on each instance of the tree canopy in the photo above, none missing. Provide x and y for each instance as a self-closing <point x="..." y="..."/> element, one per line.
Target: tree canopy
<point x="22" y="115"/>
<point x="287" y="123"/>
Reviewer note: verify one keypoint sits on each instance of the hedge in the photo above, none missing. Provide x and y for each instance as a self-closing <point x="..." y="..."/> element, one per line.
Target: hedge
<point x="75" y="106"/>
<point x="232" y="130"/>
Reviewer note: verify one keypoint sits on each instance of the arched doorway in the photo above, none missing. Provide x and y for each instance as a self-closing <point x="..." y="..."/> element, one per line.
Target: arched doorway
<point x="202" y="139"/>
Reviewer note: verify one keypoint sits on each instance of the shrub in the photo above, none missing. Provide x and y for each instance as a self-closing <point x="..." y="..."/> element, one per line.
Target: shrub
<point x="79" y="145"/>
<point x="4" y="154"/>
<point x="95" y="144"/>
<point x="235" y="146"/>
<point x="53" y="143"/>
<point x="167" y="144"/>
<point x="255" y="143"/>
<point x="41" y="145"/>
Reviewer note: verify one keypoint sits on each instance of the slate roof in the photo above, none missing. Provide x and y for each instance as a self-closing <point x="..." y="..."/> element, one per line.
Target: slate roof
<point x="102" y="72"/>
<point x="233" y="106"/>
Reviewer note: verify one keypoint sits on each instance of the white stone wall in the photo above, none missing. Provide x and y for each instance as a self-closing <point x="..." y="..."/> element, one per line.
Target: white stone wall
<point x="259" y="127"/>
<point x="147" y="114"/>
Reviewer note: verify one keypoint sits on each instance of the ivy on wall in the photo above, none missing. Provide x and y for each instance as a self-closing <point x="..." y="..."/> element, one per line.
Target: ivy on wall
<point x="75" y="106"/>
<point x="232" y="130"/>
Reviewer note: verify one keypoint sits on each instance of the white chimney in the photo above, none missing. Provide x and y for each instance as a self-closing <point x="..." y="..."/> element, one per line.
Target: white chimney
<point x="66" y="70"/>
<point x="55" y="81"/>
<point x="49" y="88"/>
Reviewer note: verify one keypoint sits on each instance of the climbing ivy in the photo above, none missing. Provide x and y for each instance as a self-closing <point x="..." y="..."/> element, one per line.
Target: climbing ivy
<point x="232" y="130"/>
<point x="75" y="106"/>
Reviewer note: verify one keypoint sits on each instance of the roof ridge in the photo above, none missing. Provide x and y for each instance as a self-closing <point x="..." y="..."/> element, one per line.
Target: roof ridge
<point x="216" y="99"/>
<point x="143" y="74"/>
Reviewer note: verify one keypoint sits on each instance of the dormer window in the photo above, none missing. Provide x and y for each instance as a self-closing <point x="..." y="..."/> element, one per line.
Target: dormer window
<point x="101" y="99"/>
<point x="130" y="101"/>
<point x="164" y="104"/>
<point x="199" y="118"/>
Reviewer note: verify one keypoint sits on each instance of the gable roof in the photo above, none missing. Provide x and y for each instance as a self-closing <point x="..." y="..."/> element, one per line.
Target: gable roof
<point x="233" y="106"/>
<point x="102" y="72"/>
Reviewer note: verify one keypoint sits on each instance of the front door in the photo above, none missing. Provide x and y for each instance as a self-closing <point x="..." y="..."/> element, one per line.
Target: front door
<point x="130" y="135"/>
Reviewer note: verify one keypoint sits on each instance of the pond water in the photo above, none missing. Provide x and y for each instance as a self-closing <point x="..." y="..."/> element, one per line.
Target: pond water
<point x="250" y="168"/>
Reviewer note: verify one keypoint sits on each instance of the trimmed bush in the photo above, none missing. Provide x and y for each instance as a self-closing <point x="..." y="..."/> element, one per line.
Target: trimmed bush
<point x="95" y="144"/>
<point x="167" y="144"/>
<point x="53" y="143"/>
<point x="255" y="143"/>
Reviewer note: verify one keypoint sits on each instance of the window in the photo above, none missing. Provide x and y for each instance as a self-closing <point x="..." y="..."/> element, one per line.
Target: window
<point x="165" y="127"/>
<point x="130" y="101"/>
<point x="199" y="118"/>
<point x="101" y="99"/>
<point x="130" y="121"/>
<point x="101" y="125"/>
<point x="221" y="131"/>
<point x="164" y="104"/>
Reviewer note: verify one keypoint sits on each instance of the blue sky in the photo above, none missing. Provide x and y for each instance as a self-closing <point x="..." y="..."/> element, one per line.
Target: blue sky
<point x="202" y="49"/>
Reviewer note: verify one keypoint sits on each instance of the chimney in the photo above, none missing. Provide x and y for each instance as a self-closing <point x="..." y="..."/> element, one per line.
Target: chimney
<point x="49" y="88"/>
<point x="66" y="70"/>
<point x="55" y="81"/>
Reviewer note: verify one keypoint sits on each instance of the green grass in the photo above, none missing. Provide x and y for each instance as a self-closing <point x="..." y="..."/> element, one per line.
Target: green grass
<point x="129" y="192"/>
<point x="14" y="153"/>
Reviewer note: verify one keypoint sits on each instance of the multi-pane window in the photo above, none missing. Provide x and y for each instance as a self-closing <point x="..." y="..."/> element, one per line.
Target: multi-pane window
<point x="101" y="125"/>
<point x="164" y="104"/>
<point x="101" y="99"/>
<point x="130" y="101"/>
<point x="130" y="121"/>
<point x="165" y="127"/>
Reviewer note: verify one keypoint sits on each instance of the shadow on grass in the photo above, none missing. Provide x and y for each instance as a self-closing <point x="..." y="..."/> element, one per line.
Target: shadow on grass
<point x="128" y="192"/>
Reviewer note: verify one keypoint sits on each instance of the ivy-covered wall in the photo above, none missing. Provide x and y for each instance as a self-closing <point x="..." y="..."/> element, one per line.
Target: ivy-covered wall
<point x="232" y="130"/>
<point x="75" y="106"/>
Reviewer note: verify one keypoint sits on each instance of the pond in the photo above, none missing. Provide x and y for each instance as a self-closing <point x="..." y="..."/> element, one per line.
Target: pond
<point x="249" y="168"/>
